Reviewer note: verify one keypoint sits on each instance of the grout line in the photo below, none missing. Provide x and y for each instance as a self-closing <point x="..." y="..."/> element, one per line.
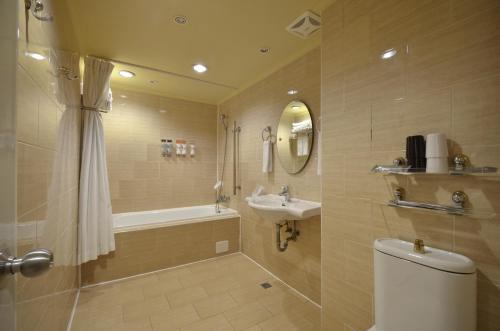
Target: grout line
<point x="276" y="277"/>
<point x="193" y="263"/>
<point x="158" y="271"/>
<point x="70" y="323"/>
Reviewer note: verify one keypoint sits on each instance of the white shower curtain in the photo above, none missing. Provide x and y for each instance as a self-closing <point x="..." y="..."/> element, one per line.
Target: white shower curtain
<point x="62" y="197"/>
<point x="95" y="216"/>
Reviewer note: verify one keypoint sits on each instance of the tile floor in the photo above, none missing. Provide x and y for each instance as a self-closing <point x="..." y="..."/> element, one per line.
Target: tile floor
<point x="218" y="295"/>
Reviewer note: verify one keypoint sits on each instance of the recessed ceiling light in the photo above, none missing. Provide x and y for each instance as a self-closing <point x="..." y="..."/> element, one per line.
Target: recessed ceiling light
<point x="126" y="73"/>
<point x="389" y="53"/>
<point x="200" y="68"/>
<point x="35" y="55"/>
<point x="292" y="92"/>
<point x="180" y="19"/>
<point x="264" y="50"/>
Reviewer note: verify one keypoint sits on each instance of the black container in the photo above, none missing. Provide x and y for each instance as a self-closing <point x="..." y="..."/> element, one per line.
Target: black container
<point x="415" y="153"/>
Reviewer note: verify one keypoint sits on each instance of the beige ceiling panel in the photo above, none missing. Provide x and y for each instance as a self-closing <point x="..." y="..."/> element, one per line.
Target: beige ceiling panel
<point x="167" y="85"/>
<point x="225" y="35"/>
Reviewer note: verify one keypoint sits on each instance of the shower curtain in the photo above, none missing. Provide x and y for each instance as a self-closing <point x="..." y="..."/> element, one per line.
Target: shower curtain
<point x="62" y="193"/>
<point x="95" y="216"/>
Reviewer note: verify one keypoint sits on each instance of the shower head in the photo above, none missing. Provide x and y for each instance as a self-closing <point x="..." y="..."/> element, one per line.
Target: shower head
<point x="222" y="118"/>
<point x="218" y="185"/>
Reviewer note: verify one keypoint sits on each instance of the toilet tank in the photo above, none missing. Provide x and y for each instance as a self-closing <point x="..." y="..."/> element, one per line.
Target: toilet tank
<point x="433" y="291"/>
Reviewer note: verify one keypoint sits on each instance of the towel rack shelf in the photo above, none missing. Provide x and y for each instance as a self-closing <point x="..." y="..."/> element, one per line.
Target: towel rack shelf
<point x="459" y="169"/>
<point x="457" y="208"/>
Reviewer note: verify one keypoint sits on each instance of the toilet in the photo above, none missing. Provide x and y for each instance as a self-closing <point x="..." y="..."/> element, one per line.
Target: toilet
<point x="422" y="288"/>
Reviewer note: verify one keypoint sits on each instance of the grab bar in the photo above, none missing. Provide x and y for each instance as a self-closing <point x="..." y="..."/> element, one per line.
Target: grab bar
<point x="236" y="142"/>
<point x="458" y="199"/>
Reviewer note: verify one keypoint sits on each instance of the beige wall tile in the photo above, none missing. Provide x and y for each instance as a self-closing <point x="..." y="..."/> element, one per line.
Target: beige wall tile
<point x="444" y="78"/>
<point x="253" y="109"/>
<point x="27" y="107"/>
<point x="140" y="178"/>
<point x="46" y="192"/>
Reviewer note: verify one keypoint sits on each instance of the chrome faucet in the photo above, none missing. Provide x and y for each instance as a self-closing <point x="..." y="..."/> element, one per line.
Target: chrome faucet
<point x="285" y="193"/>
<point x="221" y="198"/>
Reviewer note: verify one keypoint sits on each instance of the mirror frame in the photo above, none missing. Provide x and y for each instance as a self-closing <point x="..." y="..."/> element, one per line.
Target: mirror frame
<point x="312" y="138"/>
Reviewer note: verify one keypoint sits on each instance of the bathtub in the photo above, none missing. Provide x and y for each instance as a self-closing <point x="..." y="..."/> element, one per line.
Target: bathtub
<point x="153" y="240"/>
<point x="150" y="219"/>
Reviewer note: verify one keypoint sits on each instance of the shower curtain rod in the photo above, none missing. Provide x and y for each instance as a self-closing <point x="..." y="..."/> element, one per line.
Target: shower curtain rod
<point x="165" y="72"/>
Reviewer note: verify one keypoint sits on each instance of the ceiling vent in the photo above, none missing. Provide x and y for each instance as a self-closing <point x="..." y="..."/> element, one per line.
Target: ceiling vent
<point x="305" y="25"/>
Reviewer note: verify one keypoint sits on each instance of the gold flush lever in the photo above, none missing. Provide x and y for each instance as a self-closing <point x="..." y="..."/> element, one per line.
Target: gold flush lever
<point x="418" y="246"/>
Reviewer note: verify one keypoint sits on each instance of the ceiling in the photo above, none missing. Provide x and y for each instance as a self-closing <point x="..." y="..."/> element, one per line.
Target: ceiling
<point x="225" y="35"/>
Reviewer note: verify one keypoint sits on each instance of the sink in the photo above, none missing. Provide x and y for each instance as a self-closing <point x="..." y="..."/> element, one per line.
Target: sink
<point x="274" y="208"/>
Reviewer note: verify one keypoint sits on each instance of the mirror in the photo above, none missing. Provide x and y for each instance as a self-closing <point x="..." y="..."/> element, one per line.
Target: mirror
<point x="295" y="136"/>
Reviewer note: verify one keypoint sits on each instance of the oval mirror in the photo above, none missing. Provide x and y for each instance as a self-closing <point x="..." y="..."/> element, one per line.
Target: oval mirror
<point x="294" y="137"/>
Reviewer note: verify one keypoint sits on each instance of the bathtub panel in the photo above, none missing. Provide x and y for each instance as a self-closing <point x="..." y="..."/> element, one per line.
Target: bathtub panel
<point x="155" y="249"/>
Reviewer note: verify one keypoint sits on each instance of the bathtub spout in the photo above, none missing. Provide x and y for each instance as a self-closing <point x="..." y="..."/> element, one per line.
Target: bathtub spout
<point x="220" y="198"/>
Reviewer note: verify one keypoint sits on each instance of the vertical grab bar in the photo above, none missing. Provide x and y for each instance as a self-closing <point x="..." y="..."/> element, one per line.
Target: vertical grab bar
<point x="236" y="142"/>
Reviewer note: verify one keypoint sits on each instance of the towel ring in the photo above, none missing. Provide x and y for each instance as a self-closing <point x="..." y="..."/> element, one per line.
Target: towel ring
<point x="267" y="134"/>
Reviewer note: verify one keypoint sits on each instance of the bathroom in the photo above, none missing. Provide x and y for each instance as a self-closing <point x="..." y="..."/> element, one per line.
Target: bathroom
<point x="266" y="165"/>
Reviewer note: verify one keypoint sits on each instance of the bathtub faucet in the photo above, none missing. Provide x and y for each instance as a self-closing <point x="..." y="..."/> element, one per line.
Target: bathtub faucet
<point x="220" y="199"/>
<point x="223" y="198"/>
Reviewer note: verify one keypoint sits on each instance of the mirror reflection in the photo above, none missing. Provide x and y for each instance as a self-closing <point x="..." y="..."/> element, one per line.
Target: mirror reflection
<point x="295" y="137"/>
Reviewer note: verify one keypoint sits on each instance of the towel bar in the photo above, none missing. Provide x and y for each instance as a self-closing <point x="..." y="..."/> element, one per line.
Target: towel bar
<point x="267" y="131"/>
<point x="458" y="199"/>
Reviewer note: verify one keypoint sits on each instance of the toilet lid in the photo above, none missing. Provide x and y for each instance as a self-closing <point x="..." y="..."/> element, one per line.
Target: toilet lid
<point x="433" y="257"/>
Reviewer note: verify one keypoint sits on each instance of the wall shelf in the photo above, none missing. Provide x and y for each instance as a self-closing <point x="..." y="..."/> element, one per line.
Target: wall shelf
<point x="407" y="171"/>
<point x="460" y="168"/>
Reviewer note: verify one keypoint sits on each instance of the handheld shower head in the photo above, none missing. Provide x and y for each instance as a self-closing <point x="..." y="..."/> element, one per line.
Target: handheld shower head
<point x="223" y="120"/>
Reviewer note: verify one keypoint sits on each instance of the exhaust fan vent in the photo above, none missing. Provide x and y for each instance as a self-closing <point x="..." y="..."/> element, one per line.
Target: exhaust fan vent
<point x="305" y="25"/>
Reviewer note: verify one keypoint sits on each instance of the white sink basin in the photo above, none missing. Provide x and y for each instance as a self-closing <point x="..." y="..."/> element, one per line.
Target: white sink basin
<point x="274" y="208"/>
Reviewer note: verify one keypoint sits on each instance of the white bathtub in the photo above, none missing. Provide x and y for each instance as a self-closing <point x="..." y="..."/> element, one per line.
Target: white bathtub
<point x="151" y="219"/>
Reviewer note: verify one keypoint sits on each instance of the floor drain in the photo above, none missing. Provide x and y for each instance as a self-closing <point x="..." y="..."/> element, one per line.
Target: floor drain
<point x="266" y="285"/>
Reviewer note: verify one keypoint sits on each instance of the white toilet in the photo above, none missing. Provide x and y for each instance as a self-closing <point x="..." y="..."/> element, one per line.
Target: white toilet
<point x="431" y="291"/>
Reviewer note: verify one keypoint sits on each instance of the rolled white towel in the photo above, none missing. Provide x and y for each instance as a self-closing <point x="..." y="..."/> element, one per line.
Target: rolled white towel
<point x="302" y="123"/>
<point x="303" y="126"/>
<point x="267" y="156"/>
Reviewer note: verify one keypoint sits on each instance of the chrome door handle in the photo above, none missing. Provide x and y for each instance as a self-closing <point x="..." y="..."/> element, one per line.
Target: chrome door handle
<point x="32" y="264"/>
